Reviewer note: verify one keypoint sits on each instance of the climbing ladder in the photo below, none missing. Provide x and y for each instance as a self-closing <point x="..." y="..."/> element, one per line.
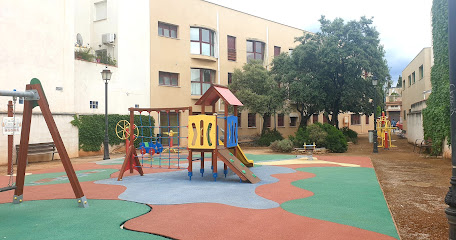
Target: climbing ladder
<point x="236" y="165"/>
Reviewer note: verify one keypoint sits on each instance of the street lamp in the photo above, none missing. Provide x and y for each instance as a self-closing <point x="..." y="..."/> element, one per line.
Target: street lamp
<point x="374" y="83"/>
<point x="106" y="76"/>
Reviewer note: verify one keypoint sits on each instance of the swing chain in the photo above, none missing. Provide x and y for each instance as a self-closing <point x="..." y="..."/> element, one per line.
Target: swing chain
<point x="10" y="180"/>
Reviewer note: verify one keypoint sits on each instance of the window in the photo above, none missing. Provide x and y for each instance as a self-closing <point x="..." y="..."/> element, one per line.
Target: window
<point x="101" y="10"/>
<point x="201" y="80"/>
<point x="231" y="48"/>
<point x="293" y="121"/>
<point x="102" y="55"/>
<point x="280" y="120"/>
<point x="267" y="121"/>
<point x="167" y="30"/>
<point x="410" y="80"/>
<point x="421" y="72"/>
<point x="403" y="84"/>
<point x="252" y="120"/>
<point x="413" y="77"/>
<point x="230" y="78"/>
<point x="255" y="50"/>
<point x="367" y="119"/>
<point x="325" y="119"/>
<point x="405" y="115"/>
<point x="136" y="105"/>
<point x="239" y="119"/>
<point x="290" y="51"/>
<point x="21" y="100"/>
<point x="315" y="118"/>
<point x="168" y="79"/>
<point x="355" y="119"/>
<point x="276" y="51"/>
<point x="201" y="41"/>
<point x="94" y="104"/>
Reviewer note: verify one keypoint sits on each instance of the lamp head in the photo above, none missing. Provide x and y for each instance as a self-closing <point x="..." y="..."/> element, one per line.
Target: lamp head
<point x="106" y="74"/>
<point x="374" y="80"/>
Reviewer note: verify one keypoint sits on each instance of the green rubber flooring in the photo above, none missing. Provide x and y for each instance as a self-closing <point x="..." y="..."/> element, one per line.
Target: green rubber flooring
<point x="61" y="177"/>
<point x="350" y="196"/>
<point x="262" y="158"/>
<point x="62" y="219"/>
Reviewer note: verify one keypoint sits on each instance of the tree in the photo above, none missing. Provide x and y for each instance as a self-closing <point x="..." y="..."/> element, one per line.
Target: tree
<point x="399" y="82"/>
<point x="257" y="90"/>
<point x="346" y="56"/>
<point x="296" y="73"/>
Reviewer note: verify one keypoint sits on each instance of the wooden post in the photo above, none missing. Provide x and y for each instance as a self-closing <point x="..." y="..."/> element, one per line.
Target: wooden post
<point x="44" y="106"/>
<point x="10" y="142"/>
<point x="23" y="149"/>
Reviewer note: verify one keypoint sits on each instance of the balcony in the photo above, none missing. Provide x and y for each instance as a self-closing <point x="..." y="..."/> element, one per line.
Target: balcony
<point x="393" y="108"/>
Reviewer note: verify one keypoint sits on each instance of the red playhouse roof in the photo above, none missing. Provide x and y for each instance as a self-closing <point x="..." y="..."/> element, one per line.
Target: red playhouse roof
<point x="214" y="93"/>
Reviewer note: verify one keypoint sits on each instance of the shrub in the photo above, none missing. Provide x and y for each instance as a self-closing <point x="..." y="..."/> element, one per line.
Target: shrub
<point x="301" y="137"/>
<point x="350" y="135"/>
<point x="84" y="53"/>
<point x="317" y="135"/>
<point x="335" y="141"/>
<point x="268" y="137"/>
<point x="284" y="145"/>
<point x="92" y="127"/>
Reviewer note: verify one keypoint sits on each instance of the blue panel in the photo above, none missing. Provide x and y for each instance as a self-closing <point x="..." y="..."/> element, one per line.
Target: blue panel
<point x="232" y="125"/>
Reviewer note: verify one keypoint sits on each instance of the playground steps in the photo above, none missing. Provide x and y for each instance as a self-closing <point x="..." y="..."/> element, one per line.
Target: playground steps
<point x="241" y="156"/>
<point x="236" y="165"/>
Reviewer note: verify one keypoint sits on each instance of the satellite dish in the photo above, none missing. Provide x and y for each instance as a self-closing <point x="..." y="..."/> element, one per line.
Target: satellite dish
<point x="79" y="39"/>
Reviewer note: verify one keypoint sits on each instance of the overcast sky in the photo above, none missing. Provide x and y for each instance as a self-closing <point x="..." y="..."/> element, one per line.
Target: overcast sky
<point x="404" y="25"/>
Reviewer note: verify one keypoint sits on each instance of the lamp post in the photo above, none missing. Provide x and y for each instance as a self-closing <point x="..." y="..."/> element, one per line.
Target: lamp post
<point x="374" y="83"/>
<point x="106" y="76"/>
<point x="450" y="198"/>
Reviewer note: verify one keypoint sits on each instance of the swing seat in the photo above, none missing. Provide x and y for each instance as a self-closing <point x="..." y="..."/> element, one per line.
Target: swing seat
<point x="4" y="189"/>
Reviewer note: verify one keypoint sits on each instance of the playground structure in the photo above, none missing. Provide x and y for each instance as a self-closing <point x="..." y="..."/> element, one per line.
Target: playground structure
<point x="151" y="145"/>
<point x="34" y="96"/>
<point x="384" y="132"/>
<point x="203" y="137"/>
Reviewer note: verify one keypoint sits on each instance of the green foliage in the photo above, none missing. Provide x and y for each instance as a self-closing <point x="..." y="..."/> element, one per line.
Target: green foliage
<point x="256" y="89"/>
<point x="317" y="135"/>
<point x="107" y="59"/>
<point x="436" y="116"/>
<point x="297" y="73"/>
<point x="301" y="136"/>
<point x="350" y="135"/>
<point x="284" y="145"/>
<point x="92" y="130"/>
<point x="399" y="82"/>
<point x="269" y="136"/>
<point x="334" y="139"/>
<point x="85" y="54"/>
<point x="336" y="60"/>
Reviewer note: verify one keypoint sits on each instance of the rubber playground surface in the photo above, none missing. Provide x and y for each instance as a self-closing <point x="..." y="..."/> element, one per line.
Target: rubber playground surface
<point x="328" y="197"/>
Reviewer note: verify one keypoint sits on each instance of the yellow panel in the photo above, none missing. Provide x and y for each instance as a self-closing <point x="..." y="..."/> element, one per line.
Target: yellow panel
<point x="198" y="137"/>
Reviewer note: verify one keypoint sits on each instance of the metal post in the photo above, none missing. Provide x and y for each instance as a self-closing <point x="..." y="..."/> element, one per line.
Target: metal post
<point x="106" y="140"/>
<point x="450" y="198"/>
<point x="375" y="121"/>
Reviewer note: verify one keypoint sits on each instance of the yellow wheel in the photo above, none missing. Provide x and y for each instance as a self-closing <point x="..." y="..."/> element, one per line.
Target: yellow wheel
<point x="123" y="128"/>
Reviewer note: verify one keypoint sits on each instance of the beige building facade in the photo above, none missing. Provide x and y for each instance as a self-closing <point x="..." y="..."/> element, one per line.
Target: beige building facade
<point x="416" y="88"/>
<point x="194" y="43"/>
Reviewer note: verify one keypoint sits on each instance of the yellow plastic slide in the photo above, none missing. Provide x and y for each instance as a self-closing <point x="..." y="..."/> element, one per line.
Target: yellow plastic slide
<point x="240" y="155"/>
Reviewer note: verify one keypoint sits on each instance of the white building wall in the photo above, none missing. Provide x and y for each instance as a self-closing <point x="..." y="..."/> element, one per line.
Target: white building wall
<point x="37" y="44"/>
<point x="414" y="127"/>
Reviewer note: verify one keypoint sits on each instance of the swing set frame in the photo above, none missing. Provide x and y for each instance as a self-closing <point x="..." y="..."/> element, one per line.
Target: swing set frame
<point x="34" y="96"/>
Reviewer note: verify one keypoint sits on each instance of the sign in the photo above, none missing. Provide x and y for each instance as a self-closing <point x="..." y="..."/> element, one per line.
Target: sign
<point x="9" y="127"/>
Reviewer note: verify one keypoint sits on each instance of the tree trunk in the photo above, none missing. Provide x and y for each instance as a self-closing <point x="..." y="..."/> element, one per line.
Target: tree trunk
<point x="265" y="116"/>
<point x="304" y="120"/>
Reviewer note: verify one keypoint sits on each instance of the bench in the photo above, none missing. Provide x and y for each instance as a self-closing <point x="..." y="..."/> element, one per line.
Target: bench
<point x="307" y="148"/>
<point x="422" y="143"/>
<point x="38" y="148"/>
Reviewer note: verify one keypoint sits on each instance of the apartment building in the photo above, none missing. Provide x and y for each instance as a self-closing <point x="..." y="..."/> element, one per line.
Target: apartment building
<point x="393" y="102"/>
<point x="195" y="43"/>
<point x="416" y="88"/>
